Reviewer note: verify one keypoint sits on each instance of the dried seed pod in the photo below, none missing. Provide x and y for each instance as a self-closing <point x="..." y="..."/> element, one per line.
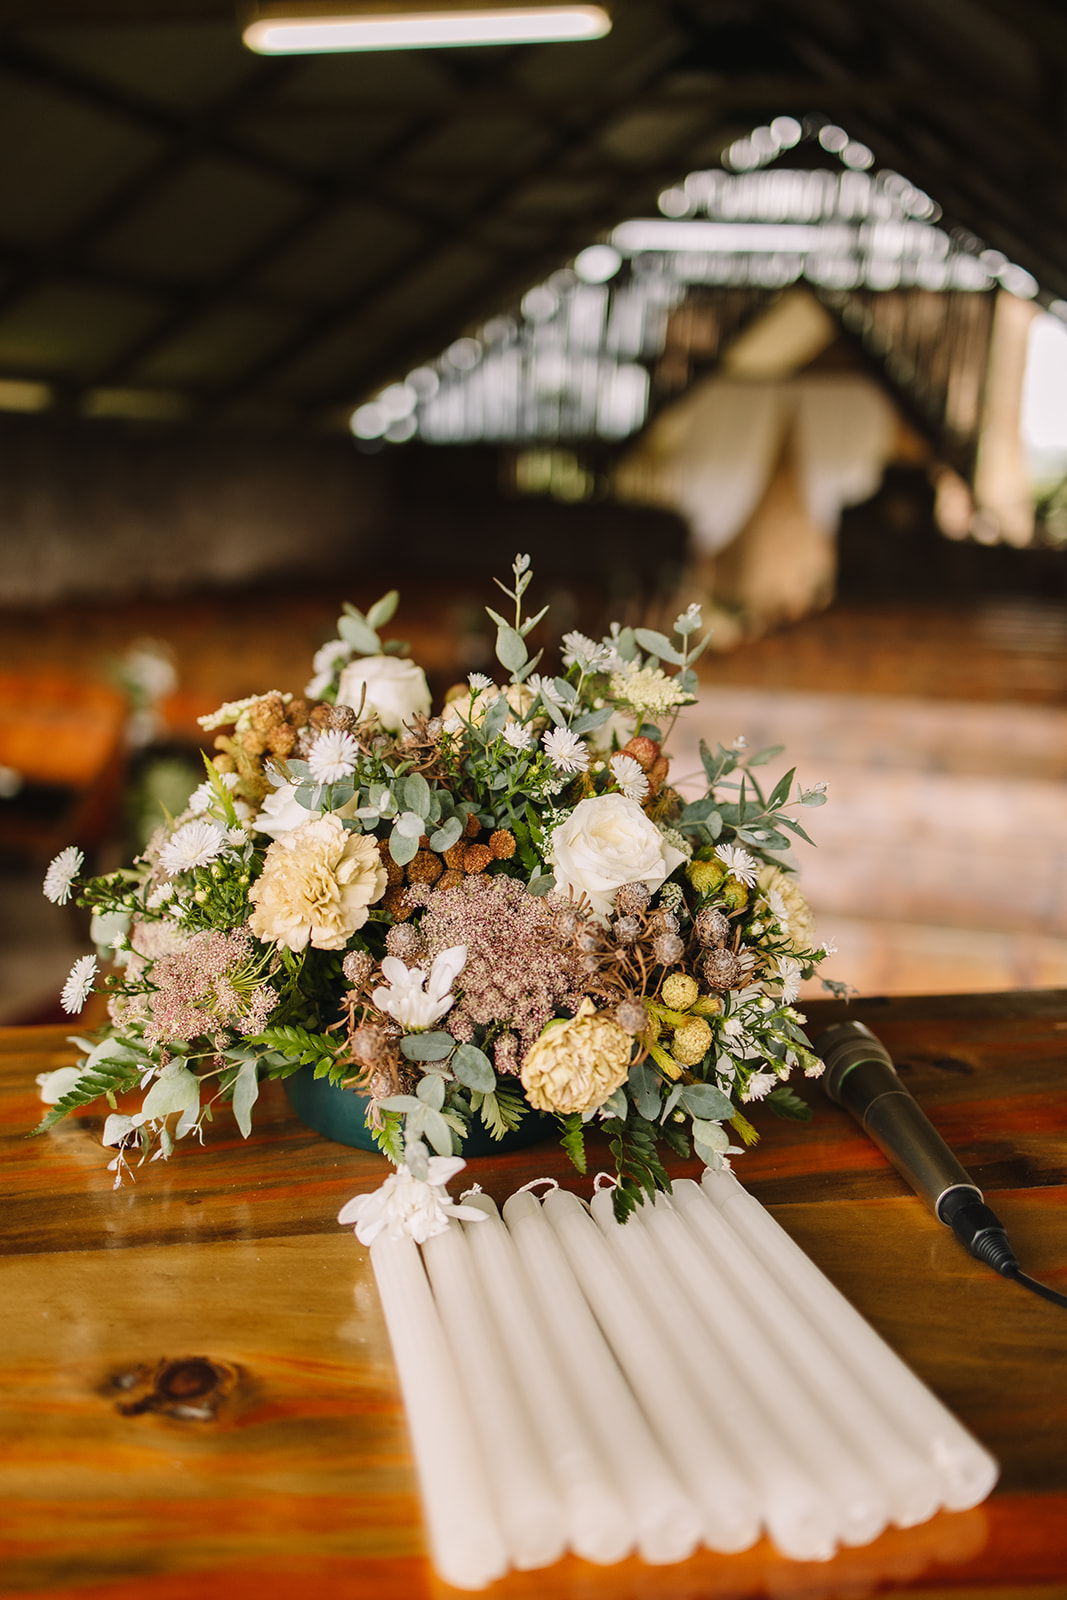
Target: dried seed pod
<point x="722" y="970"/>
<point x="357" y="967"/>
<point x="668" y="949"/>
<point x="711" y="927"/>
<point x="586" y="937"/>
<point x="476" y="857"/>
<point x="370" y="1046"/>
<point x="632" y="899"/>
<point x="664" y="921"/>
<point x="644" y="751"/>
<point x="627" y="930"/>
<point x="425" y="867"/>
<point x="403" y="941"/>
<point x="631" y="1016"/>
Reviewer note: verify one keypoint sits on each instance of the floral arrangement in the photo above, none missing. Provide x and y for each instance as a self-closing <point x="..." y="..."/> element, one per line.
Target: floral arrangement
<point x="502" y="907"/>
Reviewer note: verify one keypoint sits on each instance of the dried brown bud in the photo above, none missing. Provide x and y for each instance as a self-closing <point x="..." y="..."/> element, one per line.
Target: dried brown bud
<point x="711" y="927"/>
<point x="722" y="970"/>
<point x="453" y="856"/>
<point x="425" y="867"/>
<point x="280" y="740"/>
<point x="587" y="937"/>
<point x="664" y="921"/>
<point x="476" y="857"/>
<point x="502" y="844"/>
<point x="644" y="751"/>
<point x="668" y="949"/>
<point x="626" y="930"/>
<point x="473" y="828"/>
<point x="565" y="922"/>
<point x="396" y="902"/>
<point x="632" y="899"/>
<point x="449" y="880"/>
<point x="371" y="1046"/>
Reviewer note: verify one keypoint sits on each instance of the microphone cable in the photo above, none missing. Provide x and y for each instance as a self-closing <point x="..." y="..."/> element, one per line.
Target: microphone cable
<point x="861" y="1077"/>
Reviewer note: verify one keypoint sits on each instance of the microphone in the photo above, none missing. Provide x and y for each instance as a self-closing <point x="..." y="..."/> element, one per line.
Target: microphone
<point x="861" y="1077"/>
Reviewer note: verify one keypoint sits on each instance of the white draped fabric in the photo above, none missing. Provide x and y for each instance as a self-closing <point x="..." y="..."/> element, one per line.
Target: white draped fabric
<point x="712" y="456"/>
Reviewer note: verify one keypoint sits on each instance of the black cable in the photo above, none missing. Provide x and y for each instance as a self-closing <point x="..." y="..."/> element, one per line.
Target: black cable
<point x="1038" y="1288"/>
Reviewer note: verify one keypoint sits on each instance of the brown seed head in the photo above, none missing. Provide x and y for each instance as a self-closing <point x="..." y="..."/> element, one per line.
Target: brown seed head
<point x="631" y="1015"/>
<point x="502" y="844"/>
<point x="644" y="751"/>
<point x="473" y="828"/>
<point x="476" y="857"/>
<point x="711" y="927"/>
<point x="668" y="949"/>
<point x="632" y="899"/>
<point x="722" y="970"/>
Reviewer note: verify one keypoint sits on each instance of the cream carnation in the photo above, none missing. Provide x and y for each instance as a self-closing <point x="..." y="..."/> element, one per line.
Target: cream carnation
<point x="317" y="885"/>
<point x="605" y="842"/>
<point x="575" y="1065"/>
<point x="396" y="689"/>
<point x="801" y="922"/>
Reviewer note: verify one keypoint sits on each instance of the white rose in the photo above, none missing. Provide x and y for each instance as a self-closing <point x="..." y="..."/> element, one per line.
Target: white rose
<point x="282" y="812"/>
<point x="396" y="690"/>
<point x="608" y="841"/>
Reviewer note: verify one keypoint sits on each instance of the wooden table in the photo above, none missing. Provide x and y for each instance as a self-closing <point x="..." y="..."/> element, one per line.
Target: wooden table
<point x="197" y="1396"/>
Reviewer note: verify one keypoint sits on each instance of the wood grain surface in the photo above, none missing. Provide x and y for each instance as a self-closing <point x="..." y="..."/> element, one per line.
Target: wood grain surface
<point x="197" y="1396"/>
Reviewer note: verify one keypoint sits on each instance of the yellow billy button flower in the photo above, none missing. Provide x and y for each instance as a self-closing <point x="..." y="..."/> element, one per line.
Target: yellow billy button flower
<point x="691" y="1042"/>
<point x="576" y="1064"/>
<point x="679" y="991"/>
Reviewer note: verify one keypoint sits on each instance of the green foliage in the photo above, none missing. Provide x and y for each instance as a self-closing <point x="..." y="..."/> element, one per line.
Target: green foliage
<point x="573" y="1140"/>
<point x="299" y="1048"/>
<point x="501" y="1111"/>
<point x="637" y="1164"/>
<point x="110" y="1075"/>
<point x="786" y="1103"/>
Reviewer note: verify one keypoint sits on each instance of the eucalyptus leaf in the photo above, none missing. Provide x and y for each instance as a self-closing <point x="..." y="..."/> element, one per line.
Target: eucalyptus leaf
<point x="543" y="883"/>
<point x="704" y="1101"/>
<point x="383" y="610"/>
<point x="447" y="835"/>
<point x="761" y="758"/>
<point x="474" y="1069"/>
<point x="411" y="825"/>
<point x="431" y="1090"/>
<point x="437" y="1131"/>
<point x="402" y="848"/>
<point x="245" y="1094"/>
<point x="657" y="644"/>
<point x="354" y="631"/>
<point x="780" y="793"/>
<point x="614" y="1105"/>
<point x="495" y="718"/>
<point x="590" y="720"/>
<point x="427" y="1046"/>
<point x="644" y="1087"/>
<point x="417" y="795"/>
<point x="511" y="648"/>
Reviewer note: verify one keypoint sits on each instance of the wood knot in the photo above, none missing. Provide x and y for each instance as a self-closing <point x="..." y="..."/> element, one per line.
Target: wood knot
<point x="191" y="1389"/>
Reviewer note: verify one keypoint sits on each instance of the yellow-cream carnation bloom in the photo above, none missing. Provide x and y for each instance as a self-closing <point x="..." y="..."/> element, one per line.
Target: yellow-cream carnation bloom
<point x="576" y="1064"/>
<point x="317" y="885"/>
<point x="801" y="929"/>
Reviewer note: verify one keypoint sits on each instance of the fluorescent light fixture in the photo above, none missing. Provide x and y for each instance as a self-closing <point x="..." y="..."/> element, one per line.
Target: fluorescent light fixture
<point x="278" y="28"/>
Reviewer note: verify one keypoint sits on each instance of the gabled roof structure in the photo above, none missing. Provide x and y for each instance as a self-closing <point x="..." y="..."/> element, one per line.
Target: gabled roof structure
<point x="192" y="234"/>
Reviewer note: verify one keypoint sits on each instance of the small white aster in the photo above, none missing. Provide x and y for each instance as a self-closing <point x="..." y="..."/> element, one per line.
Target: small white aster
<point x="738" y="862"/>
<point x="194" y="845"/>
<point x="760" y="1084"/>
<point x="565" y="750"/>
<point x="204" y="796"/>
<point x="59" y="879"/>
<point x="789" y="977"/>
<point x="545" y="688"/>
<point x="478" y="681"/>
<point x="629" y="777"/>
<point x="829" y="947"/>
<point x="159" y="896"/>
<point x="333" y="756"/>
<point x="778" y="908"/>
<point x="79" y="984"/>
<point x="516" y="735"/>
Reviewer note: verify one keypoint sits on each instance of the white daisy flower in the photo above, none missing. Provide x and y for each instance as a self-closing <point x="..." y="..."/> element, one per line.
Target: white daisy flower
<point x="478" y="681"/>
<point x="738" y="862"/>
<point x="789" y="977"/>
<point x="778" y="908"/>
<point x="545" y="688"/>
<point x="517" y="736"/>
<point x="333" y="756"/>
<point x="760" y="1084"/>
<point x="79" y="984"/>
<point x="629" y="777"/>
<point x="59" y="879"/>
<point x="565" y="750"/>
<point x="194" y="845"/>
<point x="579" y="651"/>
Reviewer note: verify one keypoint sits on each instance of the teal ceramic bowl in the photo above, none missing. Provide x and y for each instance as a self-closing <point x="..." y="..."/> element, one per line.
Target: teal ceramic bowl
<point x="341" y="1114"/>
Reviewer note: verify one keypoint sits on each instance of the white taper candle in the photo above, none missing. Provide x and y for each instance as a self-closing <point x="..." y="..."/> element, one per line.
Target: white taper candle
<point x="966" y="1469"/>
<point x="665" y="1521"/>
<point x="598" y="1528"/>
<point x="795" y="1510"/>
<point x="528" y="1506"/>
<point x="718" y="1485"/>
<point x="911" y="1485"/>
<point x="859" y="1503"/>
<point x="466" y="1544"/>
